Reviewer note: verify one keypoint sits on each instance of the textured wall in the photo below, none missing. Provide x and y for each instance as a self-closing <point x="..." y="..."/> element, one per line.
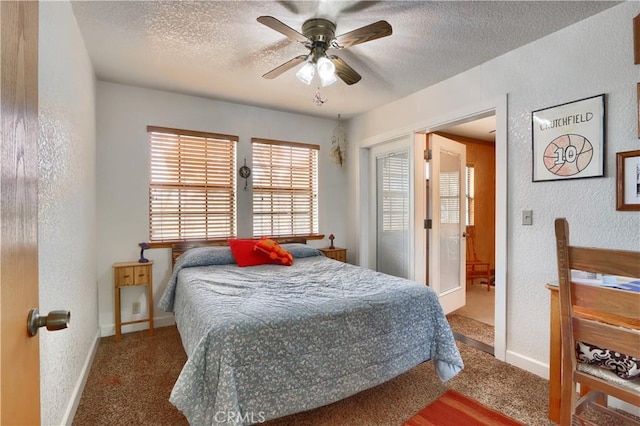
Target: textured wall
<point x="586" y="59"/>
<point x="67" y="205"/>
<point x="123" y="114"/>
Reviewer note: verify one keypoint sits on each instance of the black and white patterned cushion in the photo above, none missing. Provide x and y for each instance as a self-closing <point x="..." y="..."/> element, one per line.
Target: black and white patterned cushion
<point x="624" y="366"/>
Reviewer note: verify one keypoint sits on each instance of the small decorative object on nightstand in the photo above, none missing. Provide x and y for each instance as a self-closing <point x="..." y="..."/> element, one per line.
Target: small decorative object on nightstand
<point x="143" y="246"/>
<point x="127" y="274"/>
<point x="336" y="253"/>
<point x="331" y="238"/>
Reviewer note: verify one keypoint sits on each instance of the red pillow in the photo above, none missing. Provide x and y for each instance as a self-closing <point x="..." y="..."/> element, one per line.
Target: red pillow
<point x="244" y="253"/>
<point x="273" y="252"/>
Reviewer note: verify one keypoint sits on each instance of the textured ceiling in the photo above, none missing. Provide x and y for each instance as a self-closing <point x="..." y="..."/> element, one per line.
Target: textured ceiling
<point x="217" y="49"/>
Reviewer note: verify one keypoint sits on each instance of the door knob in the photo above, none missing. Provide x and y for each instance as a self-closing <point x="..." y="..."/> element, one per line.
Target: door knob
<point x="56" y="320"/>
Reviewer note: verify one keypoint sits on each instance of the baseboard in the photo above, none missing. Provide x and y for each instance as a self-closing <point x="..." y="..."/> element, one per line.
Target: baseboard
<point x="70" y="413"/>
<point x="528" y="364"/>
<point x="624" y="406"/>
<point x="163" y="321"/>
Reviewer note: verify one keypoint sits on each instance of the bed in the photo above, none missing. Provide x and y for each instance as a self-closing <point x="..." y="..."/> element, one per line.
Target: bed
<point x="267" y="341"/>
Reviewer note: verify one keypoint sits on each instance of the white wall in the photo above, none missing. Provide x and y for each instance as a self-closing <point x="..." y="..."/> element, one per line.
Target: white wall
<point x="589" y="58"/>
<point x="123" y="114"/>
<point x="66" y="209"/>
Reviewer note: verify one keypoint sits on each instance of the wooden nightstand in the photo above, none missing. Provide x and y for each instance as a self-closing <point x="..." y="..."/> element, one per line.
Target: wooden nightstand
<point x="336" y="253"/>
<point x="127" y="274"/>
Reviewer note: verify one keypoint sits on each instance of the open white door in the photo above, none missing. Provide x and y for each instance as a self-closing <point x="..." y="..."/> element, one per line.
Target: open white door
<point x="447" y="215"/>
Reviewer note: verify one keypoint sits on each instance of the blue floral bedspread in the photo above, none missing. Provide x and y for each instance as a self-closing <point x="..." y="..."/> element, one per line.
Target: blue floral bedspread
<point x="267" y="341"/>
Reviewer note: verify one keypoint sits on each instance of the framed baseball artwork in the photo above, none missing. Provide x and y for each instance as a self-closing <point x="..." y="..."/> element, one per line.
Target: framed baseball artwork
<point x="568" y="140"/>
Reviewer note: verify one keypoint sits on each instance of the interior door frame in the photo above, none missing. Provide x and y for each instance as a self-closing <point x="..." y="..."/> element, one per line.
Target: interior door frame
<point x="489" y="106"/>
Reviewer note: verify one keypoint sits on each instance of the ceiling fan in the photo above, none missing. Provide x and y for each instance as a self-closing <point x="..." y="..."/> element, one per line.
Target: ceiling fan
<point x="318" y="35"/>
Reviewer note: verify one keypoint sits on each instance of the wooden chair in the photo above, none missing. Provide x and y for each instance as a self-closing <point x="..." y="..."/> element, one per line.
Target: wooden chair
<point x="602" y="316"/>
<point x="476" y="268"/>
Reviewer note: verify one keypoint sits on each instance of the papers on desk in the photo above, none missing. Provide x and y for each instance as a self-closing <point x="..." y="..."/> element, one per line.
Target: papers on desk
<point x="623" y="283"/>
<point x="629" y="286"/>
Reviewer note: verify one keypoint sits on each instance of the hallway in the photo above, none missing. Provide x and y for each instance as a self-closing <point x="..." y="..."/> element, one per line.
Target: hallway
<point x="480" y="304"/>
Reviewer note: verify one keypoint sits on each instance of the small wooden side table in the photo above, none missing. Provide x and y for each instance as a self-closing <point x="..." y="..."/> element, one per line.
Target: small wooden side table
<point x="128" y="274"/>
<point x="336" y="253"/>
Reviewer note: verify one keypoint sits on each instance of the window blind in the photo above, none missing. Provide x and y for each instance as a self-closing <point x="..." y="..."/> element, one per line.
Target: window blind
<point x="449" y="191"/>
<point x="450" y="197"/>
<point x="471" y="198"/>
<point x="395" y="186"/>
<point x="285" y="188"/>
<point x="192" y="185"/>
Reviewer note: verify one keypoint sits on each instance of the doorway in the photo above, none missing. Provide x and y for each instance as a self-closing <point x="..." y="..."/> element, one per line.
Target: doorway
<point x="474" y="323"/>
<point x="497" y="107"/>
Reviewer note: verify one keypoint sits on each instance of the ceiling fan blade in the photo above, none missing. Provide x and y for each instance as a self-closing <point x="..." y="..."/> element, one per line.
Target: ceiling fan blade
<point x="367" y="33"/>
<point x="285" y="67"/>
<point x="274" y="24"/>
<point x="344" y="71"/>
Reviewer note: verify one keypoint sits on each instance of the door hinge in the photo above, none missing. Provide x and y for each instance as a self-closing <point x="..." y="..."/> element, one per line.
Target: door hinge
<point x="427" y="224"/>
<point x="427" y="155"/>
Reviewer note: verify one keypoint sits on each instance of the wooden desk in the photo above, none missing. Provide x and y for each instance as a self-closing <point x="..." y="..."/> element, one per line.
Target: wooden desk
<point x="555" y="354"/>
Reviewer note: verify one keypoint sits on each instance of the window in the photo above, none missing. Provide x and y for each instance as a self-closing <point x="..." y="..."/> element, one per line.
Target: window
<point x="285" y="188"/>
<point x="471" y="200"/>
<point x="192" y="193"/>
<point x="449" y="196"/>
<point x="393" y="181"/>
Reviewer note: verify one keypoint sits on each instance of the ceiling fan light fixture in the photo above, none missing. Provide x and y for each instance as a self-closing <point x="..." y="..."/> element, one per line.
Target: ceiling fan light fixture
<point x="306" y="72"/>
<point x="319" y="35"/>
<point x="326" y="69"/>
<point x="326" y="81"/>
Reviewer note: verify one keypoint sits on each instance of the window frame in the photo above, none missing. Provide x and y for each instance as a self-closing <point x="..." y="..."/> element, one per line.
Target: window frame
<point x="207" y="188"/>
<point x="258" y="187"/>
<point x="470" y="196"/>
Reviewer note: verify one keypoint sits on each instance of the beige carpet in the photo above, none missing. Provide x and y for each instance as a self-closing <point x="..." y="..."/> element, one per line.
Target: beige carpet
<point x="471" y="328"/>
<point x="130" y="383"/>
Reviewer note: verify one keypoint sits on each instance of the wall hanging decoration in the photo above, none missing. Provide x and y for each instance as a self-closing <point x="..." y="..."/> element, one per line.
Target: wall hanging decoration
<point x="244" y="173"/>
<point x="568" y="140"/>
<point x="628" y="180"/>
<point x="338" y="151"/>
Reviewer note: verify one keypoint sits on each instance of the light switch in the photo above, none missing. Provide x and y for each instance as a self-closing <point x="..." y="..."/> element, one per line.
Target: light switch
<point x="527" y="217"/>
